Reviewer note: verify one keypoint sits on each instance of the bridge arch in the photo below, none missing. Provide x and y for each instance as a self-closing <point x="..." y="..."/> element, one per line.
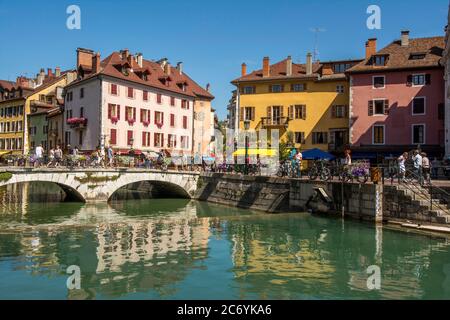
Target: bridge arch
<point x="72" y="195"/>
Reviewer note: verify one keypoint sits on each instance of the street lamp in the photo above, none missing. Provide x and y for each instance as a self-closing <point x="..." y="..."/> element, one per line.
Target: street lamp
<point x="246" y="127"/>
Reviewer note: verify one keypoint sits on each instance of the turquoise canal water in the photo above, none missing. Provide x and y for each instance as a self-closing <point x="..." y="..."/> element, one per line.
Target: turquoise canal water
<point x="182" y="249"/>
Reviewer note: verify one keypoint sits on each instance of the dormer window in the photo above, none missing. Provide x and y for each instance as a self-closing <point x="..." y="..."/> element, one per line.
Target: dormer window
<point x="341" y="67"/>
<point x="417" y="56"/>
<point x="379" y="60"/>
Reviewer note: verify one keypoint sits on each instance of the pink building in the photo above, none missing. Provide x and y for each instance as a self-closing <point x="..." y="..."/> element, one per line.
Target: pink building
<point x="397" y="98"/>
<point x="128" y="102"/>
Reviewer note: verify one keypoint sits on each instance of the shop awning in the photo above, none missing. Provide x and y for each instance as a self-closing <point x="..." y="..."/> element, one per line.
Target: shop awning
<point x="257" y="152"/>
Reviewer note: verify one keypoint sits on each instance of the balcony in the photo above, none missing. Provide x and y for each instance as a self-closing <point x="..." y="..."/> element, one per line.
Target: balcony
<point x="280" y="122"/>
<point x="77" y="123"/>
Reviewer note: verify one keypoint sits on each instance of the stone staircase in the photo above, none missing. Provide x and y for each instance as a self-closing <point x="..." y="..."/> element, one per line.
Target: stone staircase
<point x="413" y="202"/>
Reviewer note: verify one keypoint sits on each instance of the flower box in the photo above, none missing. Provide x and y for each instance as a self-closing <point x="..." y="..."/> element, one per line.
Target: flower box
<point x="131" y="121"/>
<point x="114" y="120"/>
<point x="146" y="123"/>
<point x="159" y="125"/>
<point x="76" y="121"/>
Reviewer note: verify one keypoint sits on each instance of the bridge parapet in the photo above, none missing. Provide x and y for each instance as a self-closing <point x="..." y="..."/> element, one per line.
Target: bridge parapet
<point x="98" y="185"/>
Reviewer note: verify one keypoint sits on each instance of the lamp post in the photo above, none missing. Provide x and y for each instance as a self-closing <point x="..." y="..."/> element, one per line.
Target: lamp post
<point x="246" y="127"/>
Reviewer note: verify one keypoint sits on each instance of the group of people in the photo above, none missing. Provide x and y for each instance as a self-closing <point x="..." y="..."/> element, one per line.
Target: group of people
<point x="421" y="165"/>
<point x="55" y="156"/>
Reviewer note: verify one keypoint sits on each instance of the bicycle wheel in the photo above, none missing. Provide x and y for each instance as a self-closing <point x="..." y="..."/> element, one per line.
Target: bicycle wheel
<point x="325" y="175"/>
<point x="313" y="174"/>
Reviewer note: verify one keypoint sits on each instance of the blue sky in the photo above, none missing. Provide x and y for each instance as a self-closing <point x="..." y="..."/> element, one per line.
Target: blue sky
<point x="212" y="37"/>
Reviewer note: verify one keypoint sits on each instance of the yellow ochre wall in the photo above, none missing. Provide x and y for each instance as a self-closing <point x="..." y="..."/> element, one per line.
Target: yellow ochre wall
<point x="35" y="96"/>
<point x="319" y="98"/>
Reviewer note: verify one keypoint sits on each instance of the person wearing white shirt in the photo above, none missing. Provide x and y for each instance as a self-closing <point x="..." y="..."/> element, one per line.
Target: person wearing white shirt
<point x="418" y="166"/>
<point x="39" y="154"/>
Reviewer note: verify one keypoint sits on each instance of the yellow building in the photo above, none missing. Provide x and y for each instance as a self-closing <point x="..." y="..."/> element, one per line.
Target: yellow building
<point x="308" y="103"/>
<point x="17" y="101"/>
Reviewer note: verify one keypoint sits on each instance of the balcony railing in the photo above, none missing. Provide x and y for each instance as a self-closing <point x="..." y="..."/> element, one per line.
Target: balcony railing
<point x="275" y="122"/>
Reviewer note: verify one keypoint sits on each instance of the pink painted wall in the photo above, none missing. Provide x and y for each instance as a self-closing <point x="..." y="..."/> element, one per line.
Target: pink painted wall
<point x="122" y="126"/>
<point x="398" y="122"/>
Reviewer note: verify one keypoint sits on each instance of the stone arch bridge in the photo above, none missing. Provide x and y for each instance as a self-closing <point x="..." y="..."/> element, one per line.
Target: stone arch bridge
<point x="98" y="185"/>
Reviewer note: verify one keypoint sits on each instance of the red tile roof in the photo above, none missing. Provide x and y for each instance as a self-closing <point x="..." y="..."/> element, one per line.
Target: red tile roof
<point x="110" y="66"/>
<point x="278" y="72"/>
<point x="7" y="84"/>
<point x="399" y="56"/>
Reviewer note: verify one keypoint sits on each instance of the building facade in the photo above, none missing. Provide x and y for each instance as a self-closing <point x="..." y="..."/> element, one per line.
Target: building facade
<point x="18" y="101"/>
<point x="203" y="133"/>
<point x="446" y="63"/>
<point x="130" y="103"/>
<point x="397" y="98"/>
<point x="307" y="103"/>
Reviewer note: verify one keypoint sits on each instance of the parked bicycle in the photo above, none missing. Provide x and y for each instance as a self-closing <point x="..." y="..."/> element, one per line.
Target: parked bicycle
<point x="320" y="169"/>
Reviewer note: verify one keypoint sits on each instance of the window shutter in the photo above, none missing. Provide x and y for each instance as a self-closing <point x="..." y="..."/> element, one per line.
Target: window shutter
<point x="118" y="111"/>
<point x="253" y="113"/>
<point x="162" y="117"/>
<point x="143" y="139"/>
<point x="325" y="137"/>
<point x="241" y="114"/>
<point x="109" y="111"/>
<point x="314" y="138"/>
<point x="281" y="111"/>
<point x="304" y="112"/>
<point x="134" y="113"/>
<point x="269" y="113"/>
<point x="333" y="111"/>
<point x="129" y="136"/>
<point x="142" y="115"/>
<point x="113" y="136"/>
<point x="305" y="87"/>
<point x="409" y="80"/>
<point x="291" y="112"/>
<point x="155" y="118"/>
<point x="126" y="113"/>
<point x="346" y="108"/>
<point x="371" y="108"/>
<point x="386" y="107"/>
<point x="428" y="79"/>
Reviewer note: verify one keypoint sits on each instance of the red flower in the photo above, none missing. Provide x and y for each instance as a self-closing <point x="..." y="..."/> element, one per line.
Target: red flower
<point x="74" y="121"/>
<point x="146" y="123"/>
<point x="131" y="121"/>
<point x="114" y="120"/>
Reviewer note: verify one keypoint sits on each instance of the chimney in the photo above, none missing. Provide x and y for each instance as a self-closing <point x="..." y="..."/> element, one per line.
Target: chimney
<point x="405" y="38"/>
<point x="167" y="68"/>
<point x="124" y="54"/>
<point x="207" y="87"/>
<point x="40" y="77"/>
<point x="309" y="63"/>
<point x="131" y="60"/>
<point x="243" y="70"/>
<point x="266" y="67"/>
<point x="139" y="59"/>
<point x="371" y="47"/>
<point x="57" y="71"/>
<point x="96" y="63"/>
<point x="180" y="67"/>
<point x="50" y="72"/>
<point x="84" y="57"/>
<point x="289" y="66"/>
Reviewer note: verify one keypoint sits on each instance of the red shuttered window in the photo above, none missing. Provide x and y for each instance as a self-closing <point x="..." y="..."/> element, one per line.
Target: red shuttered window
<point x="145" y="95"/>
<point x="130" y="92"/>
<point x="159" y="98"/>
<point x="172" y="101"/>
<point x="113" y="135"/>
<point x="172" y="120"/>
<point x="114" y="89"/>
<point x="185" y="122"/>
<point x="130" y="137"/>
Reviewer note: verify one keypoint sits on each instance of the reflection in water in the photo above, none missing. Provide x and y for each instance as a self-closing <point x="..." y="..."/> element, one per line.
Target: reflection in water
<point x="179" y="248"/>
